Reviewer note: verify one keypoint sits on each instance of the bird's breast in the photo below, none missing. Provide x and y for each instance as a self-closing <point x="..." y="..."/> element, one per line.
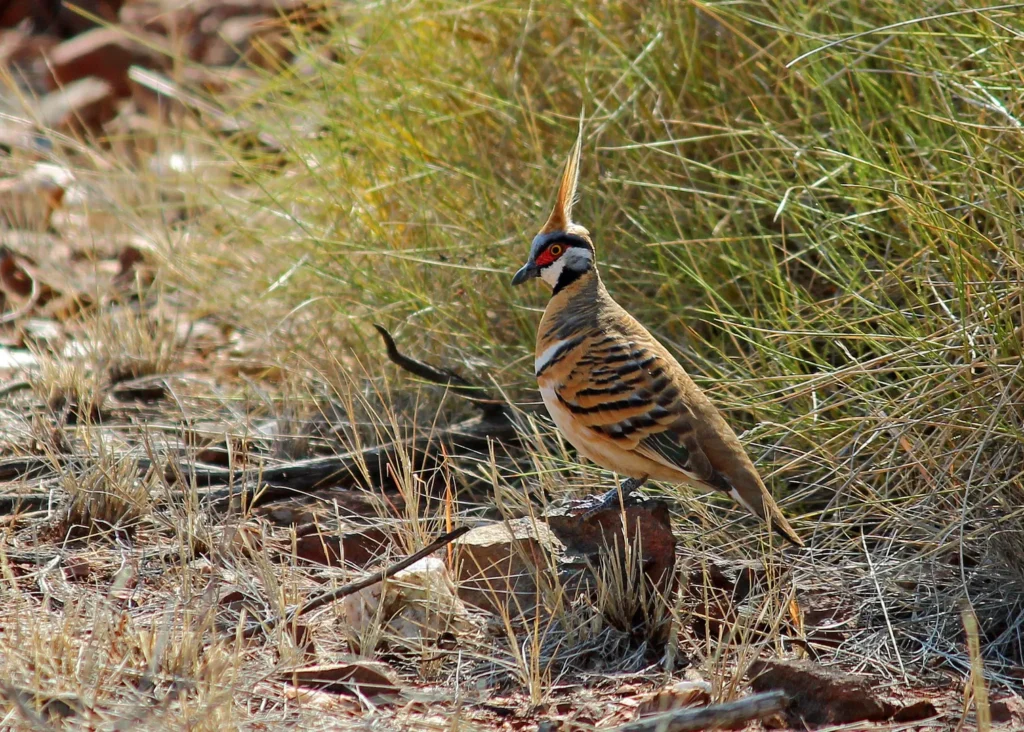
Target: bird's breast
<point x="598" y="449"/>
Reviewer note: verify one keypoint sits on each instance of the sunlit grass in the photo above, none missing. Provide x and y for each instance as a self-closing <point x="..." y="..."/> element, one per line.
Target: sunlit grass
<point x="831" y="246"/>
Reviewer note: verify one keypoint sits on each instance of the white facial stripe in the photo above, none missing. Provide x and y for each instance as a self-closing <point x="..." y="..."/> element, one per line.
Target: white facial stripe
<point x="553" y="271"/>
<point x="576" y="258"/>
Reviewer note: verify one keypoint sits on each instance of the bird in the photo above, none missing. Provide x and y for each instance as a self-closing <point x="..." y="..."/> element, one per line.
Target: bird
<point x="614" y="391"/>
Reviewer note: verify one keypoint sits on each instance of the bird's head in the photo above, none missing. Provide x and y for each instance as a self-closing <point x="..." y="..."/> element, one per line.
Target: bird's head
<point x="563" y="250"/>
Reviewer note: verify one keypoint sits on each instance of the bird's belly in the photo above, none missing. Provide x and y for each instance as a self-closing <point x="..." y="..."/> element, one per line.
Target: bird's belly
<point x="600" y="451"/>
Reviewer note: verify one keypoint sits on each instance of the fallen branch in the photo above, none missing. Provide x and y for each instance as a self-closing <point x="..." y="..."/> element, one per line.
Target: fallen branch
<point x="350" y="589"/>
<point x="719" y="716"/>
<point x="367" y="467"/>
<point x="445" y="377"/>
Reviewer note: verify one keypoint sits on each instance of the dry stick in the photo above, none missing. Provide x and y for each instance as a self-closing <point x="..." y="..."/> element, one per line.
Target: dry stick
<point x="349" y="589"/>
<point x="446" y="377"/>
<point x="719" y="716"/>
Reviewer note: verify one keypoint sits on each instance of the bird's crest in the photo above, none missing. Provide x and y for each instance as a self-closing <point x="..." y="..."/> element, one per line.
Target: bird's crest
<point x="561" y="216"/>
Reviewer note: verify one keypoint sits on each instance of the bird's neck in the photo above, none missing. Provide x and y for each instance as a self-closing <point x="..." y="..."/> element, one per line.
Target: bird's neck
<point x="574" y="306"/>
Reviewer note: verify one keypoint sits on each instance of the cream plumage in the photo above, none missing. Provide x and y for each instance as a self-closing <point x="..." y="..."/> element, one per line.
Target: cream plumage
<point x="616" y="394"/>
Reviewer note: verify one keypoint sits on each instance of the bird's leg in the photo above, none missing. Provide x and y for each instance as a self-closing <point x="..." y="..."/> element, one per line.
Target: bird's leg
<point x="611" y="498"/>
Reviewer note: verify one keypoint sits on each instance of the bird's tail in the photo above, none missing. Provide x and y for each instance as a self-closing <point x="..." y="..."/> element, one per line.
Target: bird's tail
<point x="750" y="492"/>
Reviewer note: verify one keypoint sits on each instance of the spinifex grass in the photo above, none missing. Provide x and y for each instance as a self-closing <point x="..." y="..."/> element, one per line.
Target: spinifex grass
<point x="830" y="245"/>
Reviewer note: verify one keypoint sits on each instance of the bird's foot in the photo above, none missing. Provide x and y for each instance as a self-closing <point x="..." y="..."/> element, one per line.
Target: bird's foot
<point x="610" y="500"/>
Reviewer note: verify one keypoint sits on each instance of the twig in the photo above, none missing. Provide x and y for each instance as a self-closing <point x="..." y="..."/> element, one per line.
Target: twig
<point x="446" y="377"/>
<point x="719" y="716"/>
<point x="14" y="386"/>
<point x="27" y="306"/>
<point x="347" y="470"/>
<point x="349" y="589"/>
<point x="269" y="483"/>
<point x="11" y="502"/>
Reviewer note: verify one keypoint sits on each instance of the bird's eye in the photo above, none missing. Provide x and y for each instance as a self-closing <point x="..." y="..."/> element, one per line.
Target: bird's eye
<point x="556" y="250"/>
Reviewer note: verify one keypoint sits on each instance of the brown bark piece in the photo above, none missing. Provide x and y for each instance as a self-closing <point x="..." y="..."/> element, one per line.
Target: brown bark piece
<point x="372" y="679"/>
<point x="83" y="105"/>
<point x="105" y="53"/>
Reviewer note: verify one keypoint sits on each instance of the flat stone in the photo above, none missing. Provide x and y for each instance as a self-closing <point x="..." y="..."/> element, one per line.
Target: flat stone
<point x="497" y="565"/>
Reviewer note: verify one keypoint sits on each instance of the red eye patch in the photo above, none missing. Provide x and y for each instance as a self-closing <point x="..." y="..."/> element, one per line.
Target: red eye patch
<point x="549" y="255"/>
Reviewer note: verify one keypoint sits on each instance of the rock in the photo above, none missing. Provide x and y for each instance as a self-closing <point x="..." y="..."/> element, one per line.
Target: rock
<point x="715" y="590"/>
<point x="354" y="547"/>
<point x="105" y="53"/>
<point x="413" y="610"/>
<point x="598" y="535"/>
<point x="497" y="565"/>
<point x="82" y="106"/>
<point x="1008" y="710"/>
<point x="819" y="695"/>
<point x="647" y="524"/>
<point x="915" y="712"/>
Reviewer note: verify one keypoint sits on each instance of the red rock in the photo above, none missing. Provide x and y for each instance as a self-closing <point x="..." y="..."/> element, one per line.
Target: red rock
<point x="915" y="712"/>
<point x="358" y="548"/>
<point x="84" y="105"/>
<point x="1008" y="710"/>
<point x="716" y="588"/>
<point x="599" y="535"/>
<point x="819" y="695"/>
<point x="105" y="53"/>
<point x="647" y="524"/>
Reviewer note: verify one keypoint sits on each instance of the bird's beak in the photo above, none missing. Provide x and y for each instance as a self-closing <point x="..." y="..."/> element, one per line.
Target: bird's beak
<point x="527" y="272"/>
